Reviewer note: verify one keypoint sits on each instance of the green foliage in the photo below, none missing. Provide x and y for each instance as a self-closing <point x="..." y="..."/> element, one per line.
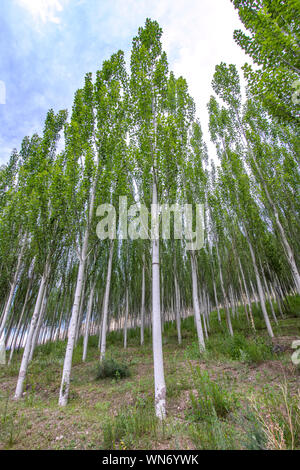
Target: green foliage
<point x="113" y="369"/>
<point x="272" y="42"/>
<point x="210" y="399"/>
<point x="214" y="435"/>
<point x="130" y="425"/>
<point x="254" y="438"/>
<point x="10" y="423"/>
<point x="277" y="410"/>
<point x="293" y="305"/>
<point x="240" y="348"/>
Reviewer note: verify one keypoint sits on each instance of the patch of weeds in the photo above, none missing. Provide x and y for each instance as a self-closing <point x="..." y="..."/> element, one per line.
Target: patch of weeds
<point x="113" y="369"/>
<point x="73" y="395"/>
<point x="175" y="385"/>
<point x="278" y="413"/>
<point x="10" y="424"/>
<point x="102" y="405"/>
<point x="240" y="348"/>
<point x="130" y="425"/>
<point x="192" y="351"/>
<point x="10" y="370"/>
<point x="210" y="399"/>
<point x="293" y="305"/>
<point x="253" y="436"/>
<point x="214" y="434"/>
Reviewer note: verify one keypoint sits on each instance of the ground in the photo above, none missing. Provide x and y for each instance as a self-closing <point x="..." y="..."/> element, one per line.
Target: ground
<point x="251" y="394"/>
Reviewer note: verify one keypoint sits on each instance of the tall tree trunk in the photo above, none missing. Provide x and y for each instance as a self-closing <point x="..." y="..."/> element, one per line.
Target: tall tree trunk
<point x="13" y="345"/>
<point x="126" y="319"/>
<point x="39" y="324"/>
<point x="247" y="294"/>
<point x="216" y="300"/>
<point x="196" y="305"/>
<point x="87" y="321"/>
<point x="177" y="303"/>
<point x="228" y="319"/>
<point x="66" y="375"/>
<point x="159" y="378"/>
<point x="12" y="289"/>
<point x="143" y="302"/>
<point x="34" y="319"/>
<point x="105" y="302"/>
<point x="259" y="287"/>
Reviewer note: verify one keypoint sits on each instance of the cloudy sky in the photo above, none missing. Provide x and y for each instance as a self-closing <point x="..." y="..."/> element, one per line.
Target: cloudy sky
<point x="47" y="46"/>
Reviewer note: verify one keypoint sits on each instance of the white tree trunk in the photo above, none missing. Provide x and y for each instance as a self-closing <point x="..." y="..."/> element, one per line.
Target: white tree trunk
<point x="87" y="322"/>
<point x="228" y="318"/>
<point x="159" y="378"/>
<point x="177" y="307"/>
<point x="34" y="319"/>
<point x="105" y="303"/>
<point x="66" y="375"/>
<point x="13" y="345"/>
<point x="260" y="289"/>
<point x="12" y="289"/>
<point x="216" y="301"/>
<point x="126" y="320"/>
<point x="247" y="295"/>
<point x="268" y="294"/>
<point x="196" y="305"/>
<point x="143" y="302"/>
<point x="38" y="326"/>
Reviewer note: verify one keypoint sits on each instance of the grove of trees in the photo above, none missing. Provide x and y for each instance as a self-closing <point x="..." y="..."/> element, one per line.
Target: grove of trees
<point x="134" y="132"/>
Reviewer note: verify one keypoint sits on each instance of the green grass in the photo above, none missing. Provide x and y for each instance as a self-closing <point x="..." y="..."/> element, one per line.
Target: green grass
<point x="210" y="399"/>
<point x="222" y="398"/>
<point x="129" y="426"/>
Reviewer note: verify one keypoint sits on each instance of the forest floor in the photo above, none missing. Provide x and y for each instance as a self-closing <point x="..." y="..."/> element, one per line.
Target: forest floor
<point x="241" y="393"/>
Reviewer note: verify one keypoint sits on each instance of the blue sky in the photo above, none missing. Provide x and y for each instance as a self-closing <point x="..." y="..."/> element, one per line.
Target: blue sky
<point x="47" y="46"/>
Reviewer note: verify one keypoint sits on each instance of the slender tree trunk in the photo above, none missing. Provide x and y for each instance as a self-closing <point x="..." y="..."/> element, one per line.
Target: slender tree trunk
<point x="228" y="319"/>
<point x="268" y="293"/>
<point x="143" y="302"/>
<point x="177" y="307"/>
<point x="105" y="302"/>
<point x="17" y="332"/>
<point x="247" y="294"/>
<point x="126" y="320"/>
<point x="87" y="322"/>
<point x="196" y="305"/>
<point x="159" y="378"/>
<point x="216" y="300"/>
<point x="39" y="324"/>
<point x="34" y="319"/>
<point x="260" y="289"/>
<point x="12" y="289"/>
<point x="66" y="375"/>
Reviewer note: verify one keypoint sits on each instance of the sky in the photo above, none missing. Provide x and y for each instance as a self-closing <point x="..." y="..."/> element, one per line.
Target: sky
<point x="47" y="47"/>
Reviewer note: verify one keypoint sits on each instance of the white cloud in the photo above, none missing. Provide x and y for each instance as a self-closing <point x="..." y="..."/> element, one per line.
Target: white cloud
<point x="198" y="35"/>
<point x="43" y="10"/>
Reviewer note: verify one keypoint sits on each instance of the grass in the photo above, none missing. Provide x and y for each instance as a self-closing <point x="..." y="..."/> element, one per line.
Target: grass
<point x="130" y="426"/>
<point x="210" y="400"/>
<point x="238" y="394"/>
